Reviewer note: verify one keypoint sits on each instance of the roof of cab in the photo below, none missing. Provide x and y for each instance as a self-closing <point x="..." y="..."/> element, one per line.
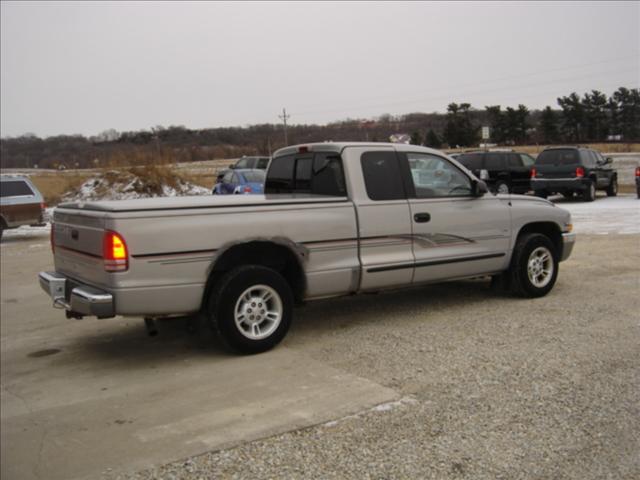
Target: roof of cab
<point x="338" y="147"/>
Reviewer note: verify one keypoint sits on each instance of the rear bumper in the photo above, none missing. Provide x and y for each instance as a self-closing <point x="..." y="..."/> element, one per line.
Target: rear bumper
<point x="560" y="184"/>
<point x="568" y="241"/>
<point x="77" y="300"/>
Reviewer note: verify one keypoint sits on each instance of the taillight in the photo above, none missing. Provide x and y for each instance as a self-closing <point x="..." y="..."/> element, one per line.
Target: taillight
<point x="247" y="189"/>
<point x="115" y="254"/>
<point x="637" y="171"/>
<point x="52" y="234"/>
<point x="43" y="205"/>
<point x="533" y="173"/>
<point x="579" y="172"/>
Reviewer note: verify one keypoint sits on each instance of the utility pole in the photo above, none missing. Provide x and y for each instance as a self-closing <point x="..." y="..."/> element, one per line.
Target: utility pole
<point x="284" y="118"/>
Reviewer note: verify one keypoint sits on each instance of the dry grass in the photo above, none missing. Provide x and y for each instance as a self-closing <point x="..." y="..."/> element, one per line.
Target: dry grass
<point x="53" y="185"/>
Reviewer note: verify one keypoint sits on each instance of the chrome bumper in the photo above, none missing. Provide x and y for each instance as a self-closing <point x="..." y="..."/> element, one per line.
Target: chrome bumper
<point x="80" y="301"/>
<point x="568" y="241"/>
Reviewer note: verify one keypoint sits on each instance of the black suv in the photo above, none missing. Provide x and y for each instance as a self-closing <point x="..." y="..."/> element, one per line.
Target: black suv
<point x="570" y="170"/>
<point x="504" y="172"/>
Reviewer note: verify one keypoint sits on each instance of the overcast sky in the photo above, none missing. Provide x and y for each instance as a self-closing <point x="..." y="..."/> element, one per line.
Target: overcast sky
<point x="87" y="67"/>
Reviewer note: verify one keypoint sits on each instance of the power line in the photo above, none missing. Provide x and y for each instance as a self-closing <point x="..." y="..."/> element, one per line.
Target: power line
<point x="449" y="96"/>
<point x="449" y="87"/>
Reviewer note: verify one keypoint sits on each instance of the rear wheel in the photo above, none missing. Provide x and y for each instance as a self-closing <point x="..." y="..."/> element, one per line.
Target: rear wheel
<point x="612" y="189"/>
<point x="589" y="194"/>
<point x="534" y="266"/>
<point x="251" y="308"/>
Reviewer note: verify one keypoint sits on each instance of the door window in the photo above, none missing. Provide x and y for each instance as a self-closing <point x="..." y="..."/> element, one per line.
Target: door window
<point x="494" y="161"/>
<point x="435" y="176"/>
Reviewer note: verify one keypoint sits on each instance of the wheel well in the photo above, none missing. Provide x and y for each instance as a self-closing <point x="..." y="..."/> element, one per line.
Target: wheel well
<point x="549" y="229"/>
<point x="3" y="223"/>
<point x="268" y="254"/>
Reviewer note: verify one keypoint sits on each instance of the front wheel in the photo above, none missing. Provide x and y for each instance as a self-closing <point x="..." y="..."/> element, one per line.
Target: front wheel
<point x="534" y="266"/>
<point x="251" y="308"/>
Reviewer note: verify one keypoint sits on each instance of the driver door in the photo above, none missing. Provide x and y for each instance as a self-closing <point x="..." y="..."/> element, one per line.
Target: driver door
<point x="455" y="234"/>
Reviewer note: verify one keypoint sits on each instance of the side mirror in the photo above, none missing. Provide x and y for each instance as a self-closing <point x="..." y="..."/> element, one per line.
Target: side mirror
<point x="478" y="188"/>
<point x="232" y="166"/>
<point x="608" y="161"/>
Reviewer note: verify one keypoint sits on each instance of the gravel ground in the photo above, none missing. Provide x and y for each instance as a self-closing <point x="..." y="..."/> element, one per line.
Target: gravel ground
<point x="491" y="386"/>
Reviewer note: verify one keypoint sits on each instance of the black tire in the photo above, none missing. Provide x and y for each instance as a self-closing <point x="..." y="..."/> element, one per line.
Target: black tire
<point x="612" y="189"/>
<point x="589" y="195"/>
<point x="227" y="295"/>
<point x="504" y="185"/>
<point x="541" y="193"/>
<point x="638" y="191"/>
<point x="521" y="282"/>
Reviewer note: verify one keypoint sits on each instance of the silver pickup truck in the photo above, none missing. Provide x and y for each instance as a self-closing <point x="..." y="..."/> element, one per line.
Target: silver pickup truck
<point x="336" y="219"/>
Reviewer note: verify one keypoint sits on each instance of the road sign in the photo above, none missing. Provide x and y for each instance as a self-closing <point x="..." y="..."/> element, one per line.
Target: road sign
<point x="485" y="133"/>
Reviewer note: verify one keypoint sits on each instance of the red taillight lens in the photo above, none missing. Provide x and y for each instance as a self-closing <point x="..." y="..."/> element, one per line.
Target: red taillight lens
<point x="52" y="234"/>
<point x="533" y="173"/>
<point x="637" y="171"/>
<point x="247" y="189"/>
<point x="115" y="254"/>
<point x="43" y="205"/>
<point x="579" y="172"/>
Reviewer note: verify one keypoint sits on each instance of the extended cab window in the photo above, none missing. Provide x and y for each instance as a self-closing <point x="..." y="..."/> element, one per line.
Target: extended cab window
<point x="319" y="173"/>
<point x="15" y="189"/>
<point x="435" y="176"/>
<point x="382" y="176"/>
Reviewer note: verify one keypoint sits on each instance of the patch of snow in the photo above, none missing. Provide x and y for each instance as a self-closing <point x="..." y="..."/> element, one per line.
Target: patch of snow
<point x="25" y="232"/>
<point x="604" y="216"/>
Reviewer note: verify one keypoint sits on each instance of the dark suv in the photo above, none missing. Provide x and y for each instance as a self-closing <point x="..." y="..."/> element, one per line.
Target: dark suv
<point x="504" y="172"/>
<point x="571" y="170"/>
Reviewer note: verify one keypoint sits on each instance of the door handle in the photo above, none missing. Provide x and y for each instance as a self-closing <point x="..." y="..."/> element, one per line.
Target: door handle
<point x="422" y="217"/>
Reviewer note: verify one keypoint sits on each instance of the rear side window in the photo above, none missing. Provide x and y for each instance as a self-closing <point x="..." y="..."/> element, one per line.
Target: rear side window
<point x="559" y="156"/>
<point x="16" y="188"/>
<point x="382" y="176"/>
<point x="471" y="161"/>
<point x="320" y="174"/>
<point x="494" y="161"/>
<point x="527" y="160"/>
<point x="514" y="160"/>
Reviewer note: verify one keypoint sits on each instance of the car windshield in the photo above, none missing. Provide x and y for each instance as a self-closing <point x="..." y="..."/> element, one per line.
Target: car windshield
<point x="256" y="176"/>
<point x="558" y="156"/>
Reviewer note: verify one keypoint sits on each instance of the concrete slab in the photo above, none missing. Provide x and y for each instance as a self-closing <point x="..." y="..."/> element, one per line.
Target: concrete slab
<point x="81" y="398"/>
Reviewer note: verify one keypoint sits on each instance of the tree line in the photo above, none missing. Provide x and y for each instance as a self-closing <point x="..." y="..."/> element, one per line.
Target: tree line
<point x="592" y="117"/>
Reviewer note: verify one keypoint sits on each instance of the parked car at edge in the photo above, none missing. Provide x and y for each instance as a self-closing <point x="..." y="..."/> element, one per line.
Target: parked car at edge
<point x="243" y="181"/>
<point x="573" y="170"/>
<point x="337" y="219"/>
<point x="638" y="181"/>
<point x="260" y="163"/>
<point x="504" y="172"/>
<point x="20" y="203"/>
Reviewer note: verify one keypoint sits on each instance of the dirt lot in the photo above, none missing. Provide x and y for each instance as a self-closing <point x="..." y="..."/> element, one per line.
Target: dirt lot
<point x="450" y="381"/>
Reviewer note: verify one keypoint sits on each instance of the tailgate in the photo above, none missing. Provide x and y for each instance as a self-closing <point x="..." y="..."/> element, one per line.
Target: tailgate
<point x="557" y="163"/>
<point x="78" y="237"/>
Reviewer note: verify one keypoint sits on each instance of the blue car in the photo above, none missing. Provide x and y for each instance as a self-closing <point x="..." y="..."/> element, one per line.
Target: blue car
<point x="240" y="182"/>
